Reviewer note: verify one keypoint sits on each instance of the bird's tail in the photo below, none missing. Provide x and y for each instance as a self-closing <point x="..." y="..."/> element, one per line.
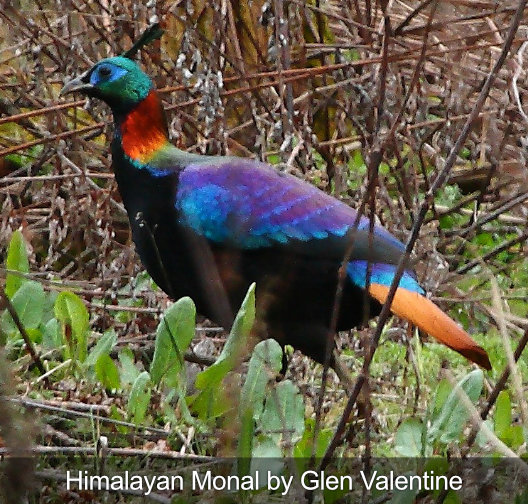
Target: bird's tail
<point x="410" y="304"/>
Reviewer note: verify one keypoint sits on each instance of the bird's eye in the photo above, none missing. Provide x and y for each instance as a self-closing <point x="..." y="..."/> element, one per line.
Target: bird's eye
<point x="104" y="72"/>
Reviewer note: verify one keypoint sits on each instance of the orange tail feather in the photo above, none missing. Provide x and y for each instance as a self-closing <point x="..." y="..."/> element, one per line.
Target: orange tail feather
<point x="428" y="317"/>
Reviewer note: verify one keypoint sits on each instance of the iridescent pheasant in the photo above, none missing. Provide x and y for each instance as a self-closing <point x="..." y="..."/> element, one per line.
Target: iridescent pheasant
<point x="208" y="227"/>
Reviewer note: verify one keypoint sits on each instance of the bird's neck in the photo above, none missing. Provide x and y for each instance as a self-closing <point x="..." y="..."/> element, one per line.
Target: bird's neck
<point x="143" y="130"/>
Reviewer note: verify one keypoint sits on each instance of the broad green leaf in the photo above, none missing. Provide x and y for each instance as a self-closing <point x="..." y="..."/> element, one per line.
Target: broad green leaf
<point x="264" y="365"/>
<point x="408" y="440"/>
<point x="511" y="435"/>
<point x="106" y="372"/>
<point x="502" y="418"/>
<point x="139" y="398"/>
<point x="516" y="435"/>
<point x="129" y="371"/>
<point x="35" y="335"/>
<point x="211" y="402"/>
<point x="173" y="337"/>
<point x="234" y="347"/>
<point x="267" y="449"/>
<point x="283" y="415"/>
<point x="442" y="392"/>
<point x="482" y="439"/>
<point x="304" y="448"/>
<point x="438" y="465"/>
<point x="338" y="495"/>
<point x="17" y="260"/>
<point x="7" y="326"/>
<point x="267" y="459"/>
<point x="449" y="423"/>
<point x="28" y="302"/>
<point x="49" y="303"/>
<point x="103" y="347"/>
<point x="73" y="315"/>
<point x="52" y="334"/>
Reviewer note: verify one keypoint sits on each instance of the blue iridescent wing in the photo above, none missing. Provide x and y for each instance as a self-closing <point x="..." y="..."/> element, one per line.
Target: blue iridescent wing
<point x="248" y="205"/>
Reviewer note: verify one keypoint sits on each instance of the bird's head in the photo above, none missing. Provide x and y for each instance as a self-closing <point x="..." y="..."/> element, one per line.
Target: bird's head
<point x="118" y="81"/>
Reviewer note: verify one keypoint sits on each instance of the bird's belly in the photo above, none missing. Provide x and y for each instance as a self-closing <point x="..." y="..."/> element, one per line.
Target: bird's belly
<point x="300" y="289"/>
<point x="295" y="294"/>
<point x="296" y="297"/>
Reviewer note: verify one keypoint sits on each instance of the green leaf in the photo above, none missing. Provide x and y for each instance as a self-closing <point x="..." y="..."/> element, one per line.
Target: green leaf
<point x="283" y="415"/>
<point x="266" y="449"/>
<point x="7" y="327"/>
<point x="267" y="459"/>
<point x="234" y="347"/>
<point x="264" y="365"/>
<point x="103" y="347"/>
<point x="404" y="496"/>
<point x="52" y="334"/>
<point x="482" y="439"/>
<point x="438" y="465"/>
<point x="49" y="303"/>
<point x="139" y="398"/>
<point x="28" y="302"/>
<point x="73" y="316"/>
<point x="35" y="335"/>
<point x="502" y="418"/>
<point x="304" y="448"/>
<point x="17" y="260"/>
<point x="106" y="372"/>
<point x="516" y="436"/>
<point x="245" y="442"/>
<point x="511" y="435"/>
<point x="484" y="239"/>
<point x="173" y="337"/>
<point x="211" y="401"/>
<point x="442" y="392"/>
<point x="408" y="440"/>
<point x="129" y="371"/>
<point x="449" y="424"/>
<point x="452" y="498"/>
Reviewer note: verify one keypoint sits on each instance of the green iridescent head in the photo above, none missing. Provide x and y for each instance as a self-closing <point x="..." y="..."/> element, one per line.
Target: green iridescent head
<point x="118" y="81"/>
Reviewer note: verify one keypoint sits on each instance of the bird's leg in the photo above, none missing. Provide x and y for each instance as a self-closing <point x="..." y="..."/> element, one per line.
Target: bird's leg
<point x="142" y="223"/>
<point x="209" y="278"/>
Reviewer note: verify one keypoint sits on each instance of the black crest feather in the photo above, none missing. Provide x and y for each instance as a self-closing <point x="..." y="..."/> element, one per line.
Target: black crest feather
<point x="153" y="32"/>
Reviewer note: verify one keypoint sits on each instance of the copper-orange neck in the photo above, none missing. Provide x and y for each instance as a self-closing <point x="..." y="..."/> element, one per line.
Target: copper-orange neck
<point x="143" y="131"/>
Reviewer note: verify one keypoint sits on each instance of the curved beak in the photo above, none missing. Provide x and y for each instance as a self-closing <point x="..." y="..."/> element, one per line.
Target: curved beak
<point x="81" y="83"/>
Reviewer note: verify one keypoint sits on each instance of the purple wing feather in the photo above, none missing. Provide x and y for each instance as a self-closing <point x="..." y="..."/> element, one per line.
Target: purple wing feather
<point x="247" y="204"/>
